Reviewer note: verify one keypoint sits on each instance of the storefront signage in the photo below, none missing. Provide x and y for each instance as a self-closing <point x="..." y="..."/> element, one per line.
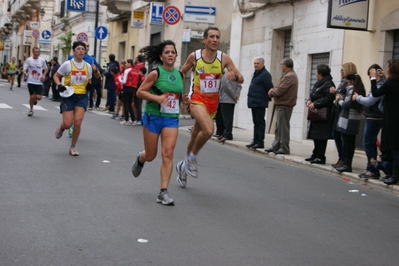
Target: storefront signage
<point x="348" y="14"/>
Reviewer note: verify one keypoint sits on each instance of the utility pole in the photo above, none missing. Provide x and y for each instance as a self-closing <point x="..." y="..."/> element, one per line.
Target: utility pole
<point x="95" y="27"/>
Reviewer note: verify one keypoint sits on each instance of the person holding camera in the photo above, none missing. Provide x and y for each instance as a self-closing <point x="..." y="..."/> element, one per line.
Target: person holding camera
<point x="373" y="123"/>
<point x="77" y="74"/>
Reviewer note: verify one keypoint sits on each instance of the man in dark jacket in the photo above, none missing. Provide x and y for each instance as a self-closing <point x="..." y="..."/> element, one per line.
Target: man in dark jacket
<point x="110" y="84"/>
<point x="258" y="101"/>
<point x="54" y="67"/>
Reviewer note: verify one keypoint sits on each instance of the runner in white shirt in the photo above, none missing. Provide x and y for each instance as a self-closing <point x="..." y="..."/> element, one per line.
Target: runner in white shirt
<point x="33" y="70"/>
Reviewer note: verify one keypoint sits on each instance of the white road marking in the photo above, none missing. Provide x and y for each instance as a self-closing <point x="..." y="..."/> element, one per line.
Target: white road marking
<point x="35" y="107"/>
<point x="5" y="106"/>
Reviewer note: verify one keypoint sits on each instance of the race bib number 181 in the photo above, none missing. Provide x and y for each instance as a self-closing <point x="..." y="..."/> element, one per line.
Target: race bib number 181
<point x="209" y="83"/>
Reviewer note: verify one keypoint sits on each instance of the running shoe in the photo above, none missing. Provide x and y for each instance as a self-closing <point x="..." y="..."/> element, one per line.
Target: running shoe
<point x="164" y="198"/>
<point x="126" y="123"/>
<point x="138" y="123"/>
<point x="30" y="113"/>
<point x="59" y="131"/>
<point x="191" y="167"/>
<point x="134" y="123"/>
<point x="73" y="151"/>
<point x="35" y="102"/>
<point x="181" y="175"/>
<point x="136" y="167"/>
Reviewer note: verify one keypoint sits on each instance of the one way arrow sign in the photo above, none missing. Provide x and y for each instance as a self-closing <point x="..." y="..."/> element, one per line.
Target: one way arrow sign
<point x="101" y="33"/>
<point x="203" y="10"/>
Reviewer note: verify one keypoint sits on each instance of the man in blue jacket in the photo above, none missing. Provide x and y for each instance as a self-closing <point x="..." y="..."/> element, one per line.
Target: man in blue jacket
<point x="258" y="101"/>
<point x="110" y="84"/>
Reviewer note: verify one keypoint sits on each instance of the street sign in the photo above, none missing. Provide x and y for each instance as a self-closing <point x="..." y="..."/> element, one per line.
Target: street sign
<point x="34" y="24"/>
<point x="171" y="15"/>
<point x="200" y="14"/>
<point x="156" y="13"/>
<point x="186" y="35"/>
<point x="82" y="37"/>
<point x="76" y="5"/>
<point x="137" y="20"/>
<point x="35" y="33"/>
<point x="101" y="33"/>
<point x="44" y="42"/>
<point x="46" y="34"/>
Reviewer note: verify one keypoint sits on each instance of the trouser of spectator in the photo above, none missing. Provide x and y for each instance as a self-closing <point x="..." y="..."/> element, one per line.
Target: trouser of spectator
<point x="258" y="119"/>
<point x="19" y="77"/>
<point x="55" y="92"/>
<point x="371" y="129"/>
<point x="99" y="94"/>
<point x="137" y="106"/>
<point x="127" y="97"/>
<point x="319" y="150"/>
<point x="90" y="90"/>
<point x="219" y="121"/>
<point x="282" y="135"/>
<point x="111" y="100"/>
<point x="349" y="148"/>
<point x="339" y="144"/>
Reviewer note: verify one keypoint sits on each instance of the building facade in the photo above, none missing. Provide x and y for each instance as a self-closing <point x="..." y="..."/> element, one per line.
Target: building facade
<point x="276" y="29"/>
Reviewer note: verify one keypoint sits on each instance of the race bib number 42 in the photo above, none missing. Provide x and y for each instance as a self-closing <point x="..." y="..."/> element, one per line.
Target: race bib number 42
<point x="209" y="83"/>
<point x="172" y="104"/>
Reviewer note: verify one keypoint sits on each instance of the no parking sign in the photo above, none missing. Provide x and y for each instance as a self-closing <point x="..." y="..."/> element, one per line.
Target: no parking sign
<point x="171" y="15"/>
<point x="82" y="37"/>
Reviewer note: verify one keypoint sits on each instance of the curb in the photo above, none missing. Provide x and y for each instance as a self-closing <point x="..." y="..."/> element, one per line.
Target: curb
<point x="297" y="160"/>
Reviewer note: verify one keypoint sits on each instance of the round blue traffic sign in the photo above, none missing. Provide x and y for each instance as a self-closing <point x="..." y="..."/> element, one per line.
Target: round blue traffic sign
<point x="101" y="33"/>
<point x="46" y="34"/>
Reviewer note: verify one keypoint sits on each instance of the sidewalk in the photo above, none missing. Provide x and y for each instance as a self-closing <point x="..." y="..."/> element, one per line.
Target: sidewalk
<point x="300" y="151"/>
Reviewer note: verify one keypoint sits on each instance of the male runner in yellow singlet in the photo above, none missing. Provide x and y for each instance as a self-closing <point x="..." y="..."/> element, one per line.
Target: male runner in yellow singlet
<point x="207" y="65"/>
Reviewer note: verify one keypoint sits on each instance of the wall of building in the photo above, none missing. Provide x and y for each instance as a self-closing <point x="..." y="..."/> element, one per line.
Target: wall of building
<point x="364" y="48"/>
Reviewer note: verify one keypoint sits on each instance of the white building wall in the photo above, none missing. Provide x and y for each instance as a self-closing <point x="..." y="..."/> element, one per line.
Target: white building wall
<point x="307" y="20"/>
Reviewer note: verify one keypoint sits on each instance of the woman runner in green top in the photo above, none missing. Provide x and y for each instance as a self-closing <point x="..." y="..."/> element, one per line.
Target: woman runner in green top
<point x="11" y="69"/>
<point x="163" y="89"/>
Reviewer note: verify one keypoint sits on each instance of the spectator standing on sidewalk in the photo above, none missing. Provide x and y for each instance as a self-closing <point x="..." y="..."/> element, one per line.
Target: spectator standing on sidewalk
<point x="19" y="72"/>
<point x="229" y="93"/>
<point x="390" y="127"/>
<point x="258" y="101"/>
<point x="130" y="79"/>
<point x="284" y="96"/>
<point x="349" y="119"/>
<point x="321" y="131"/>
<point x="54" y="67"/>
<point x="110" y="84"/>
<point x="373" y="123"/>
<point x="346" y="69"/>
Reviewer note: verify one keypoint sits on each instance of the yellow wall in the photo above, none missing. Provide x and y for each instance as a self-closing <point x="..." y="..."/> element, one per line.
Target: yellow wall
<point x="361" y="47"/>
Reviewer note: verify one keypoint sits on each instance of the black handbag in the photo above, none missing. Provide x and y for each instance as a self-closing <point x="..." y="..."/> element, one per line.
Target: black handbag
<point x="318" y="114"/>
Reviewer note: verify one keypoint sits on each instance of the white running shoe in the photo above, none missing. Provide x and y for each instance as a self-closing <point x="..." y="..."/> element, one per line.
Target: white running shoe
<point x="181" y="175"/>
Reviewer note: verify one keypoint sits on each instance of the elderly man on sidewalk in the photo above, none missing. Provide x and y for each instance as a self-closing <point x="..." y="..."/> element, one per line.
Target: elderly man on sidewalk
<point x="258" y="101"/>
<point x="285" y="96"/>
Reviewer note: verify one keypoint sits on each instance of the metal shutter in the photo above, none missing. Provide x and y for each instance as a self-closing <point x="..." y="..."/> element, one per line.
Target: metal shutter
<point x="287" y="44"/>
<point x="395" y="45"/>
<point x="318" y="59"/>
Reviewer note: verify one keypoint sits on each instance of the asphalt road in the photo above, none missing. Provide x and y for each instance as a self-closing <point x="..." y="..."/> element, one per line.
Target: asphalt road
<point x="244" y="209"/>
